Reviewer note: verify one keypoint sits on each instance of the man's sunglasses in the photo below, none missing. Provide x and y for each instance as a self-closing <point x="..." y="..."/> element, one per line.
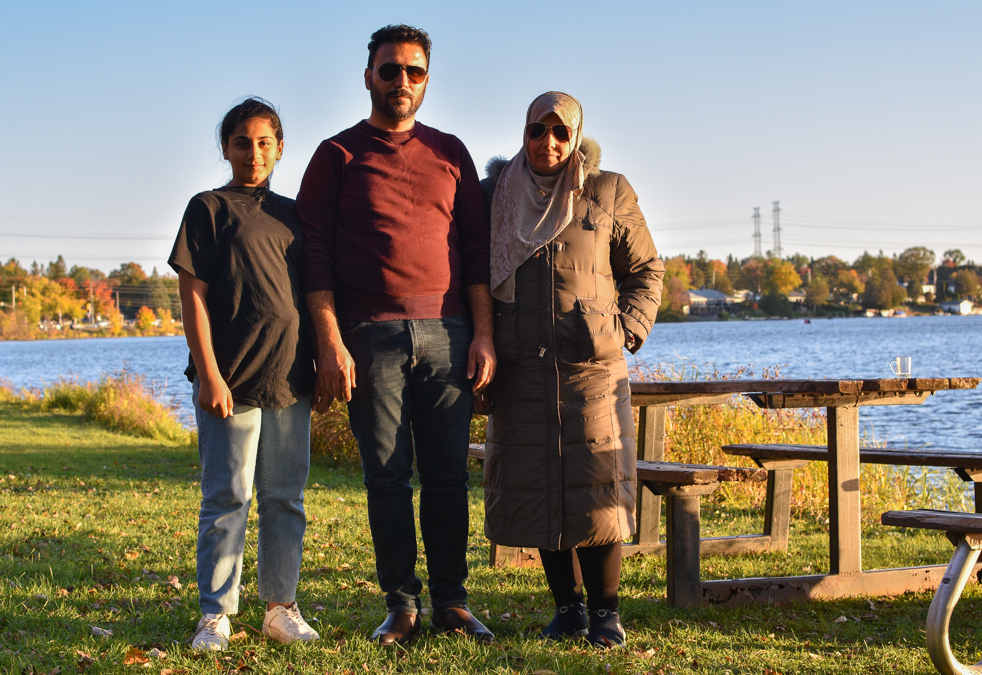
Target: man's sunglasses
<point x="536" y="130"/>
<point x="390" y="71"/>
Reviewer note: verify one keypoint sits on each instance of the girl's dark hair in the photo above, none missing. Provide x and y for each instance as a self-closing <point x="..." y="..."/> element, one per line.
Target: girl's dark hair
<point x="249" y="108"/>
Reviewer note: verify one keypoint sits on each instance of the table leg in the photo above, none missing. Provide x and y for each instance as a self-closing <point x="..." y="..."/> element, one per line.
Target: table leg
<point x="845" y="546"/>
<point x="777" y="508"/>
<point x="651" y="447"/>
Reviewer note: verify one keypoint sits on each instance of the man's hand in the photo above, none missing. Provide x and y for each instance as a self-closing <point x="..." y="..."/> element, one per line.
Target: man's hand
<point x="214" y="397"/>
<point x="335" y="367"/>
<point x="335" y="376"/>
<point x="481" y="362"/>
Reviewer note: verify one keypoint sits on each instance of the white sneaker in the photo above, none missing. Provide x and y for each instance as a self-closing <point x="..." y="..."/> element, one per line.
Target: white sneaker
<point x="284" y="624"/>
<point x="212" y="633"/>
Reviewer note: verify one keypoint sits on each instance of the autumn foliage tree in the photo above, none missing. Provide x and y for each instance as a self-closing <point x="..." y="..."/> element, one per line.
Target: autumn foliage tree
<point x="780" y="278"/>
<point x="145" y="319"/>
<point x="883" y="292"/>
<point x="966" y="284"/>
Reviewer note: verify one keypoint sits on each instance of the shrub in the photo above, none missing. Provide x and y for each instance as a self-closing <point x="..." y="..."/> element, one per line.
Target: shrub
<point x="120" y="402"/>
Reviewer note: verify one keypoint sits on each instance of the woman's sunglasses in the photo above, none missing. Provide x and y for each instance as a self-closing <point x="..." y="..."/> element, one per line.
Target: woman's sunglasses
<point x="390" y="71"/>
<point x="536" y="130"/>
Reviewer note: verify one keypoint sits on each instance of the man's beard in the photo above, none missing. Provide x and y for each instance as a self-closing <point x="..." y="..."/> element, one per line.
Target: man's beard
<point x="383" y="102"/>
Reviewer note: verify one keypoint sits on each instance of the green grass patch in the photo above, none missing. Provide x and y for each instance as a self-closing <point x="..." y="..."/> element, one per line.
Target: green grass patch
<point x="98" y="529"/>
<point x="120" y="402"/>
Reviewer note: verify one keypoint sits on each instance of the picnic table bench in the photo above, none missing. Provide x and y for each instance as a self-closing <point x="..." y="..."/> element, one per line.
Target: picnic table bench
<point x="964" y="530"/>
<point x="781" y="459"/>
<point x="682" y="485"/>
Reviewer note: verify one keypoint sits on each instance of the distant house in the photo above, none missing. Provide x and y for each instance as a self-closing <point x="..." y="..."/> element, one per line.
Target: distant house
<point x="925" y="290"/>
<point x="958" y="307"/>
<point x="797" y="296"/>
<point x="706" y="301"/>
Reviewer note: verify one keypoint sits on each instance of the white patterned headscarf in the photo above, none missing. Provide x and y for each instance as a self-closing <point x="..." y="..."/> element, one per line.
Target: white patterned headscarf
<point x="529" y="210"/>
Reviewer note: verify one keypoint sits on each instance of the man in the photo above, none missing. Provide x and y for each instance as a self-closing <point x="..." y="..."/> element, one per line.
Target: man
<point x="396" y="271"/>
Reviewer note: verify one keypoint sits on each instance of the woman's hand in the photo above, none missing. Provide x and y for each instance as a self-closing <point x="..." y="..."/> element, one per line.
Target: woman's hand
<point x="482" y="403"/>
<point x="214" y="397"/>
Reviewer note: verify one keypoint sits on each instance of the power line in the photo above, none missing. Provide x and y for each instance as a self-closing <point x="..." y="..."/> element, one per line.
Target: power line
<point x="113" y="237"/>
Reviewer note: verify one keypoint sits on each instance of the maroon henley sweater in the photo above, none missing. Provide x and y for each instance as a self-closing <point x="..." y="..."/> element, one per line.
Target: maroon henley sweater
<point x="394" y="224"/>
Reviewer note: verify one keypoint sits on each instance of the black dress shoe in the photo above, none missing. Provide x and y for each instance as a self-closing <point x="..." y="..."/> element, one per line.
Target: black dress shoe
<point x="460" y="618"/>
<point x="398" y="627"/>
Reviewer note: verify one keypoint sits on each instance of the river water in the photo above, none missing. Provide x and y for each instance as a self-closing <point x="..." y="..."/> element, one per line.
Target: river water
<point x="940" y="346"/>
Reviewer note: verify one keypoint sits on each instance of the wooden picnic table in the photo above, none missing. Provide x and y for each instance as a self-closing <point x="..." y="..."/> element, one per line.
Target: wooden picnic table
<point x="841" y="399"/>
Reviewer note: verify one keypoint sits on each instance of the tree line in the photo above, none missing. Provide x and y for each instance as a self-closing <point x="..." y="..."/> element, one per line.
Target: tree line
<point x="828" y="283"/>
<point x="45" y="297"/>
<point x="56" y="297"/>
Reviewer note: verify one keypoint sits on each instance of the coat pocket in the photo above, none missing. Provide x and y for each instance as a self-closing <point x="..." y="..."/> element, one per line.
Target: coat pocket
<point x="506" y="331"/>
<point x="602" y="334"/>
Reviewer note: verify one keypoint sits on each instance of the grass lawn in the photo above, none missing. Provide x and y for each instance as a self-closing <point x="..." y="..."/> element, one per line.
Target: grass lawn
<point x="98" y="529"/>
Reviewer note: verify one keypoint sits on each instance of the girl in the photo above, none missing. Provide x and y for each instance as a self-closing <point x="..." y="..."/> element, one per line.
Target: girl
<point x="237" y="257"/>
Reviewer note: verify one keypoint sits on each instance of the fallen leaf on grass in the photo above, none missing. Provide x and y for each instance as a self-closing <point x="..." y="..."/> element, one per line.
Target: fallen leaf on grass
<point x="84" y="661"/>
<point x="101" y="632"/>
<point x="841" y="619"/>
<point x="157" y="653"/>
<point x="132" y="555"/>
<point x="135" y="655"/>
<point x="241" y="635"/>
<point x="317" y="607"/>
<point x="543" y="671"/>
<point x="174" y="582"/>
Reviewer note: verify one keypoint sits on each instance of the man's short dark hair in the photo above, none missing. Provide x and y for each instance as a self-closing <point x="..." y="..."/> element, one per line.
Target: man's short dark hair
<point x="399" y="33"/>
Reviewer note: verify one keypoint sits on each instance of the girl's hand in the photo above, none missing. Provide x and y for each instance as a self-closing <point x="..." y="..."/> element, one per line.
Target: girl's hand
<point x="214" y="397"/>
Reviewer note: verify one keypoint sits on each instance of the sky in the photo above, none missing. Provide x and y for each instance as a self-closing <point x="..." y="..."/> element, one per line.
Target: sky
<point x="863" y="119"/>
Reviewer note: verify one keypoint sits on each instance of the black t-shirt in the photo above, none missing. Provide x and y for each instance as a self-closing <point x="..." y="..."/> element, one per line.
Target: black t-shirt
<point x="245" y="244"/>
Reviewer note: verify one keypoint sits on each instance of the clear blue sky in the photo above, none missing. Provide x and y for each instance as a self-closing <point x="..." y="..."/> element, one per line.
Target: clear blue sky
<point x="863" y="118"/>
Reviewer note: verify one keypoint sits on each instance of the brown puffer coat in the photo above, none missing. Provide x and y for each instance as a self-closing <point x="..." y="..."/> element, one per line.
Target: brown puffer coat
<point x="561" y="454"/>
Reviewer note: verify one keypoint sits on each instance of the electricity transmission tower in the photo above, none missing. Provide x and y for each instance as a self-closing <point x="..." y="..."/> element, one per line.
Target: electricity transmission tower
<point x="777" y="230"/>
<point x="757" y="251"/>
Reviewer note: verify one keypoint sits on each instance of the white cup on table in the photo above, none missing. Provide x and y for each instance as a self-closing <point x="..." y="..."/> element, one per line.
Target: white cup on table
<point x="901" y="366"/>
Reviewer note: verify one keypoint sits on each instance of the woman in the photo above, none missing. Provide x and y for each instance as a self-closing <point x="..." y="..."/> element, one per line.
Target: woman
<point x="576" y="278"/>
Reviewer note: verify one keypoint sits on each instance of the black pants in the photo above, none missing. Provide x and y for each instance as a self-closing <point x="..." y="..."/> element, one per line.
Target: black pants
<point x="595" y="568"/>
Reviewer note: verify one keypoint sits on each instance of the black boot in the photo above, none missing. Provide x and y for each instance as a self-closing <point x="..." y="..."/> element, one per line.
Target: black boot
<point x="569" y="622"/>
<point x="606" y="630"/>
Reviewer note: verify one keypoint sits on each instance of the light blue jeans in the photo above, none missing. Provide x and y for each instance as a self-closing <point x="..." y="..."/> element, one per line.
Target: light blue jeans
<point x="270" y="448"/>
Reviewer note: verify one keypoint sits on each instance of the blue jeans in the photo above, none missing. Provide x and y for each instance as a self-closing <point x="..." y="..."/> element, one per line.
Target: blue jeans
<point x="413" y="398"/>
<point x="270" y="448"/>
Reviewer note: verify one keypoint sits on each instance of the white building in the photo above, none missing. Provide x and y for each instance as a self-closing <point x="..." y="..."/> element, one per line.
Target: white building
<point x="957" y="307"/>
<point x="706" y="301"/>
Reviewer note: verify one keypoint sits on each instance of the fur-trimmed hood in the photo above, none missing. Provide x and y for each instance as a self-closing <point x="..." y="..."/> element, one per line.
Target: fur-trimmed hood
<point x="591" y="163"/>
